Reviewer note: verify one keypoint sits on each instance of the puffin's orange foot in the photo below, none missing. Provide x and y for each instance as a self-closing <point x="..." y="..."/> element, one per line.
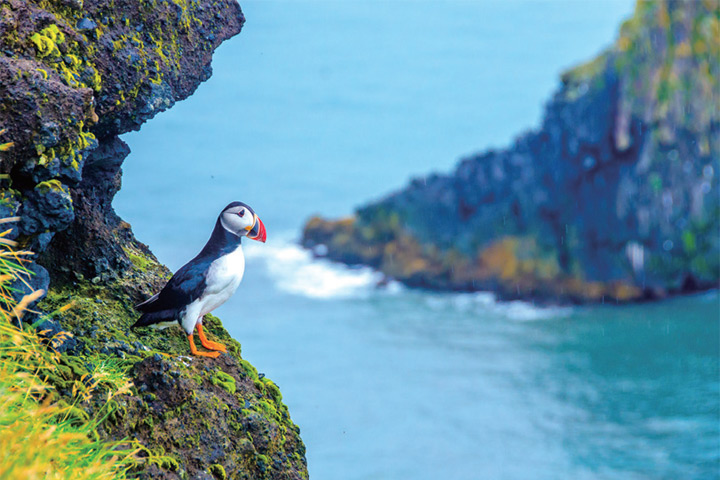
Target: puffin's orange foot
<point x="214" y="346"/>
<point x="210" y="345"/>
<point x="194" y="350"/>
<point x="206" y="354"/>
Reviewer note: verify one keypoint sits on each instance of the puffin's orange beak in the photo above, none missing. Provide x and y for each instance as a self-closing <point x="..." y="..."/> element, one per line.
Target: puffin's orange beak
<point x="258" y="231"/>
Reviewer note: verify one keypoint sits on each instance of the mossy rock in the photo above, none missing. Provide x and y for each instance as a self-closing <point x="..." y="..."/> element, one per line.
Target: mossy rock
<point x="193" y="414"/>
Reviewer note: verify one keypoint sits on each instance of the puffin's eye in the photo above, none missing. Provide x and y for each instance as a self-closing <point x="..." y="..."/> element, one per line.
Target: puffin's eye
<point x="241" y="213"/>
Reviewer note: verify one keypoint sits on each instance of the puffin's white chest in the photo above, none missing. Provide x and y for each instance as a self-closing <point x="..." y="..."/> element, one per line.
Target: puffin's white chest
<point x="223" y="278"/>
<point x="226" y="270"/>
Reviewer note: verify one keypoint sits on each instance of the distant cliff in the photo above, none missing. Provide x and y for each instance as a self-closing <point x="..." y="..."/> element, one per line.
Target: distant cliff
<point x="615" y="196"/>
<point x="75" y="74"/>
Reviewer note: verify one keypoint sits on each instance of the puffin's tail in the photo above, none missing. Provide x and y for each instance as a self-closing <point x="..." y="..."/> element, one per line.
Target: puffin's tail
<point x="150" y="317"/>
<point x="147" y="304"/>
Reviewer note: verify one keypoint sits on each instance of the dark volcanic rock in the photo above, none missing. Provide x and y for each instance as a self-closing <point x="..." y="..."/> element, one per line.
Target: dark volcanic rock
<point x="182" y="398"/>
<point x="92" y="245"/>
<point x="48" y="208"/>
<point x="73" y="76"/>
<point x="614" y="196"/>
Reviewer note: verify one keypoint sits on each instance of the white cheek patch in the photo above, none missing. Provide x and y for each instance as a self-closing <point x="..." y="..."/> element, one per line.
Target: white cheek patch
<point x="236" y="224"/>
<point x="223" y="222"/>
<point x="231" y="222"/>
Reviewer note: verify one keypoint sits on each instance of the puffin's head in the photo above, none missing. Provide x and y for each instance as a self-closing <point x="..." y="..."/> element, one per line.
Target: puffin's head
<point x="239" y="219"/>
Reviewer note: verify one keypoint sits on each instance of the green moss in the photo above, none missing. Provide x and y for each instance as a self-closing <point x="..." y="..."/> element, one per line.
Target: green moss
<point x="163" y="461"/>
<point x="249" y="369"/>
<point x="689" y="243"/>
<point x="263" y="461"/>
<point x="139" y="261"/>
<point x="9" y="197"/>
<point x="272" y="389"/>
<point x="655" y="181"/>
<point x="224" y="381"/>
<point x="268" y="409"/>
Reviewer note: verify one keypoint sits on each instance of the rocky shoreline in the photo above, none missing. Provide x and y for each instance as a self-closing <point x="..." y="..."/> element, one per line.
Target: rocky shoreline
<point x="74" y="75"/>
<point x="613" y="198"/>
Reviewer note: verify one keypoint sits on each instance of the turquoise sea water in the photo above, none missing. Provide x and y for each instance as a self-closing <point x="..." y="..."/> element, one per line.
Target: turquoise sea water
<point x="319" y="106"/>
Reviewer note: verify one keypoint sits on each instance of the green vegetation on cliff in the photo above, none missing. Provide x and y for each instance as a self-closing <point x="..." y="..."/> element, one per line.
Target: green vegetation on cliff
<point x="99" y="397"/>
<point x="44" y="434"/>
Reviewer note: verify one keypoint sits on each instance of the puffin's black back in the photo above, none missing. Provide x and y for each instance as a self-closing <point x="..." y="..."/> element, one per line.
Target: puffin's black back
<point x="189" y="283"/>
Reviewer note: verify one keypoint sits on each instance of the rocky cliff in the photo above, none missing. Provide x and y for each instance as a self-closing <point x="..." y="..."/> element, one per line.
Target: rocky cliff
<point x="74" y="75"/>
<point x="615" y="196"/>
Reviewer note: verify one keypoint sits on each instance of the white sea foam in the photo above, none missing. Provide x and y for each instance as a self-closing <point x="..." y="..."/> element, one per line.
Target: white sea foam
<point x="295" y="270"/>
<point x="487" y="302"/>
<point x="525" y="311"/>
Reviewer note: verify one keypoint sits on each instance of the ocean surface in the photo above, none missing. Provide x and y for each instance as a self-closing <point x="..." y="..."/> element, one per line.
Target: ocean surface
<point x="320" y="106"/>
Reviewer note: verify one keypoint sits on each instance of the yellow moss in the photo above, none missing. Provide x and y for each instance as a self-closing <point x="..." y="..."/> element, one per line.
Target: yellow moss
<point x="683" y="49"/>
<point x="48" y="185"/>
<point x="623" y="43"/>
<point x="624" y="291"/>
<point x="74" y="60"/>
<point x="44" y="45"/>
<point x="594" y="290"/>
<point x="85" y="137"/>
<point x="500" y="259"/>
<point x="47" y="40"/>
<point x="663" y="17"/>
<point x="218" y="471"/>
<point x="54" y="33"/>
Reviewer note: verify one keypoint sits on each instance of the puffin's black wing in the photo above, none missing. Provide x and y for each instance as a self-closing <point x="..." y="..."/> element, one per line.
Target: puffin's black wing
<point x="184" y="287"/>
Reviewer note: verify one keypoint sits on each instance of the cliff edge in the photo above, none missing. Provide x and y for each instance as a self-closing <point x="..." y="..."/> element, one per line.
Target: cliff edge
<point x="74" y="75"/>
<point x="614" y="197"/>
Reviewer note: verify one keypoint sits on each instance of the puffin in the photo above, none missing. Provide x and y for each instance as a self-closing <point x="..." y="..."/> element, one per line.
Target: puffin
<point x="207" y="281"/>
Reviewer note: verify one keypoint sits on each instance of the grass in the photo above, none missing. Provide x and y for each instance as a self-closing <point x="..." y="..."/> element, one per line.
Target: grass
<point x="44" y="435"/>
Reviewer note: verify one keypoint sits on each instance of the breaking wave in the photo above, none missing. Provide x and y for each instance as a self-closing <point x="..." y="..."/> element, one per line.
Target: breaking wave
<point x="486" y="302"/>
<point x="295" y="270"/>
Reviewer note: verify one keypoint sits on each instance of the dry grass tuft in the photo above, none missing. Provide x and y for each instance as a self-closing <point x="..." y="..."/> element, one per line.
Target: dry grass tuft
<point x="41" y="435"/>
